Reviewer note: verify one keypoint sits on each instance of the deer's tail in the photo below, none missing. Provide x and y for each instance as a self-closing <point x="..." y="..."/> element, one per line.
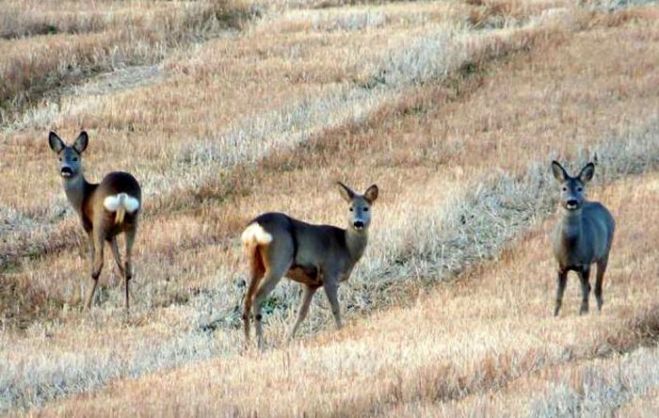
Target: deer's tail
<point x="120" y="204"/>
<point x="253" y="237"/>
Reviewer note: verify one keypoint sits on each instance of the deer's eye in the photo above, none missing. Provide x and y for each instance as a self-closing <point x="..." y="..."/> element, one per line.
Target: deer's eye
<point x="351" y="209"/>
<point x="365" y="209"/>
<point x="75" y="158"/>
<point x="60" y="158"/>
<point x="564" y="188"/>
<point x="580" y="189"/>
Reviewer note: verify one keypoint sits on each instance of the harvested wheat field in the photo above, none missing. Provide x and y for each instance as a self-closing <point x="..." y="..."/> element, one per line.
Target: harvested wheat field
<point x="227" y="109"/>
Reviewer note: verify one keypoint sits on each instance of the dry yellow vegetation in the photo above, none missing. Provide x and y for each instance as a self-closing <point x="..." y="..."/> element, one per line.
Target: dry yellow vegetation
<point x="453" y="108"/>
<point x="485" y="344"/>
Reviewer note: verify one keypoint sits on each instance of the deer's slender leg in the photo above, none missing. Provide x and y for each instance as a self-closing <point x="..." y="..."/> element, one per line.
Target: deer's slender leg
<point x="128" y="267"/>
<point x="249" y="300"/>
<point x="599" y="278"/>
<point x="307" y="296"/>
<point x="92" y="291"/>
<point x="256" y="272"/>
<point x="117" y="256"/>
<point x="561" y="282"/>
<point x="97" y="262"/>
<point x="331" y="287"/>
<point x="584" y="275"/>
<point x="273" y="275"/>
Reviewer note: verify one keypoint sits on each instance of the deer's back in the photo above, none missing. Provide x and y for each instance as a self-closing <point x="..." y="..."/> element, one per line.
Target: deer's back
<point x="119" y="182"/>
<point x="310" y="245"/>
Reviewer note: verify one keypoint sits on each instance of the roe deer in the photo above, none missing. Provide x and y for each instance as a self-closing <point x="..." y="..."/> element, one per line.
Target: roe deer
<point x="277" y="245"/>
<point x="106" y="209"/>
<point x="582" y="237"/>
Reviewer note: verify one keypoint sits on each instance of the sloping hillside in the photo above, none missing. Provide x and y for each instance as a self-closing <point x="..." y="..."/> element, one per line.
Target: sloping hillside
<point x="453" y="108"/>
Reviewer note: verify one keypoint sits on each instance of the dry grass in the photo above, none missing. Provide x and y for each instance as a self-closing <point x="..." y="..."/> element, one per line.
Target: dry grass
<point x="300" y="100"/>
<point x="199" y="149"/>
<point x="493" y="329"/>
<point x="445" y="117"/>
<point x="60" y="44"/>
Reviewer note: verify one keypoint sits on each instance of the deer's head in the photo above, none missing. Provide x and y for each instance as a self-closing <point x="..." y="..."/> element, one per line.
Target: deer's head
<point x="359" y="211"/>
<point x="573" y="189"/>
<point x="69" y="156"/>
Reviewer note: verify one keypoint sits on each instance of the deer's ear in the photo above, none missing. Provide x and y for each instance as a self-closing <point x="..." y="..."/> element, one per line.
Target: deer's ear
<point x="55" y="142"/>
<point x="559" y="172"/>
<point x="346" y="192"/>
<point x="371" y="193"/>
<point x="587" y="173"/>
<point x="81" y="142"/>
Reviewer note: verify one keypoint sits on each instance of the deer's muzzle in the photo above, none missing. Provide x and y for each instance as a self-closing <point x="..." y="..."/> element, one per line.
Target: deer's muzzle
<point x="572" y="204"/>
<point x="66" y="172"/>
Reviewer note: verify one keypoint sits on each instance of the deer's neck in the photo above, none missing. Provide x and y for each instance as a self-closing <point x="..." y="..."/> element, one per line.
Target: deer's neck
<point x="77" y="189"/>
<point x="571" y="227"/>
<point x="356" y="242"/>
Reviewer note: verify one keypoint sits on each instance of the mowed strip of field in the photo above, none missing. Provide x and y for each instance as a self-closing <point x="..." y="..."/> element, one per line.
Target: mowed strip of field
<point x="230" y="102"/>
<point x="46" y="45"/>
<point x="187" y="269"/>
<point x="484" y="335"/>
<point x="41" y="226"/>
<point x="188" y="153"/>
<point x="36" y="226"/>
<point x="317" y="78"/>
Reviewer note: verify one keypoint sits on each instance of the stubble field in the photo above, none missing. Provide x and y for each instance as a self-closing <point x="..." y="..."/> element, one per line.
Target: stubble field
<point x="224" y="110"/>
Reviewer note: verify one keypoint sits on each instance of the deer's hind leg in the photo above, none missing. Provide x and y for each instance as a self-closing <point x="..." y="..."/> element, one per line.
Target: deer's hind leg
<point x="97" y="262"/>
<point x="278" y="258"/>
<point x="601" y="269"/>
<point x="307" y="296"/>
<point x="117" y="256"/>
<point x="256" y="272"/>
<point x="128" y="266"/>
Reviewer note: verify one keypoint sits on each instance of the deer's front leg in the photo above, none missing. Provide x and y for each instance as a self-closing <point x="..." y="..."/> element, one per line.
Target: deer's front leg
<point x="331" y="286"/>
<point x="561" y="282"/>
<point x="584" y="276"/>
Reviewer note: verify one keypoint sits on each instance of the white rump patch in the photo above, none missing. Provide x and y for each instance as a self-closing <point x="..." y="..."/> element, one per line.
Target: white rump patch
<point x="256" y="233"/>
<point x="114" y="202"/>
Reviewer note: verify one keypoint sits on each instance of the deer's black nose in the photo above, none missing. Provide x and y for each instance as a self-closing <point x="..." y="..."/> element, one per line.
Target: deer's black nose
<point x="572" y="203"/>
<point x="66" y="171"/>
<point x="358" y="224"/>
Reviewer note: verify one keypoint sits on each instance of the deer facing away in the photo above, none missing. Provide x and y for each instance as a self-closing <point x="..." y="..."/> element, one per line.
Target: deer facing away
<point x="106" y="209"/>
<point x="583" y="235"/>
<point x="277" y="245"/>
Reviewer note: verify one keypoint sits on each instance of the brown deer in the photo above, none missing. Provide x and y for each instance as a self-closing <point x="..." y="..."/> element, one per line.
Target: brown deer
<point x="106" y="209"/>
<point x="582" y="237"/>
<point x="277" y="245"/>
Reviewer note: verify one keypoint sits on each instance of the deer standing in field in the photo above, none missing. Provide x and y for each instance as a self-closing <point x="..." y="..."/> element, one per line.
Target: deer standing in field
<point x="277" y="245"/>
<point x="582" y="237"/>
<point x="106" y="209"/>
